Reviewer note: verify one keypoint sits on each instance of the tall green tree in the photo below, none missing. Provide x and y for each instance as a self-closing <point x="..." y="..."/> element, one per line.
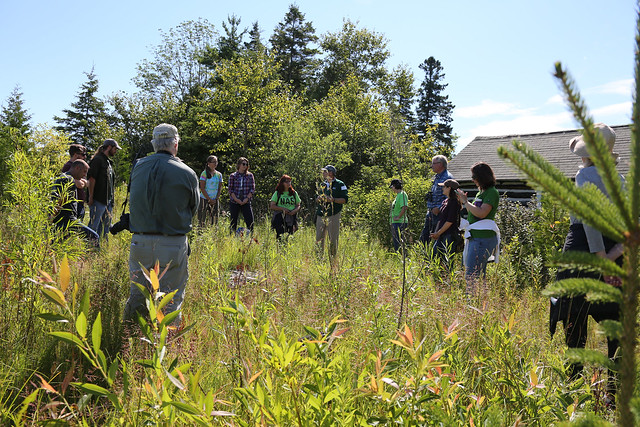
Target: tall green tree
<point x="400" y="93"/>
<point x="176" y="69"/>
<point x="14" y="114"/>
<point x="291" y="44"/>
<point x="352" y="51"/>
<point x="244" y="109"/>
<point x="255" y="39"/>
<point x="434" y="107"/>
<point x="361" y="120"/>
<point x="80" y="121"/>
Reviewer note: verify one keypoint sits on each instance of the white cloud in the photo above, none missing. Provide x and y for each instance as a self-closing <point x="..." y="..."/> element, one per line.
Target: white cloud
<point x="621" y="109"/>
<point x="488" y="107"/>
<point x="618" y="87"/>
<point x="524" y="124"/>
<point x="555" y="100"/>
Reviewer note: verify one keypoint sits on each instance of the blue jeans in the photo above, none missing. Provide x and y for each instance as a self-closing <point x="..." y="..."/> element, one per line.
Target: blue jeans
<point x="397" y="234"/>
<point x="100" y="218"/>
<point x="479" y="249"/>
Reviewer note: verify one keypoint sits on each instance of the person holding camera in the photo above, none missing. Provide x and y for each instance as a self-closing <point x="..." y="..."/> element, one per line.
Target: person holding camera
<point x="435" y="196"/>
<point x="163" y="200"/>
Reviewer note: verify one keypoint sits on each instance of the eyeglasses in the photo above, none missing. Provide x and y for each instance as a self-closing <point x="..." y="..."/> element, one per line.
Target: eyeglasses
<point x="244" y="164"/>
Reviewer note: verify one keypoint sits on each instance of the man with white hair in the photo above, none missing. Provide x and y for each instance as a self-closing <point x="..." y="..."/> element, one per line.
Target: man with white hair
<point x="163" y="199"/>
<point x="435" y="197"/>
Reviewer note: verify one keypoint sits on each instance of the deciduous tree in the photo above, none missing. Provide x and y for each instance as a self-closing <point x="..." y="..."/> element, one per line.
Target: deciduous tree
<point x="352" y="51"/>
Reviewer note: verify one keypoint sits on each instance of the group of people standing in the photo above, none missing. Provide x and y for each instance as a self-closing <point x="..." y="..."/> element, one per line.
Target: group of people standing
<point x="92" y="183"/>
<point x="443" y="223"/>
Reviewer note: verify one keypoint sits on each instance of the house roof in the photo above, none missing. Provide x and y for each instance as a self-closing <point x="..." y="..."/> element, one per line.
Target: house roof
<point x="553" y="146"/>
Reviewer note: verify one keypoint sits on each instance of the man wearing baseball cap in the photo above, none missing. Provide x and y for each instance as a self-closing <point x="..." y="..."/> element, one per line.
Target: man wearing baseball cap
<point x="101" y="187"/>
<point x="333" y="196"/>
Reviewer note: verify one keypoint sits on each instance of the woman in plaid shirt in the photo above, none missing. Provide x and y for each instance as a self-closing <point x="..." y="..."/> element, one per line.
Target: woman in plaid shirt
<point x="242" y="186"/>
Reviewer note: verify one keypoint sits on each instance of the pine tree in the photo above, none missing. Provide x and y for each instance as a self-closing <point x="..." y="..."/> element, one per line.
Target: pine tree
<point x="81" y="120"/>
<point x="291" y="46"/>
<point x="255" y="41"/>
<point x="434" y="108"/>
<point x="14" y="115"/>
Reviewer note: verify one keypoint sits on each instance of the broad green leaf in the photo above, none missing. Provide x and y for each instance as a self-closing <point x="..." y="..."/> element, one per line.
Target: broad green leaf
<point x="184" y="407"/>
<point x="54" y="295"/>
<point x="53" y="317"/>
<point x="68" y="337"/>
<point x="96" y="333"/>
<point x="92" y="389"/>
<point x="81" y="325"/>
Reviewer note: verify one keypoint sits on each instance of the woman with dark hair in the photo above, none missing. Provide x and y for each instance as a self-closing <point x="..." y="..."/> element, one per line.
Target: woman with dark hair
<point x="285" y="204"/>
<point x="482" y="234"/>
<point x="242" y="186"/>
<point x="448" y="224"/>
<point x="210" y="188"/>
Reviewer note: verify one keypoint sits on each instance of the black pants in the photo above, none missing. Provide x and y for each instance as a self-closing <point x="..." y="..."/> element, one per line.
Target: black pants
<point x="575" y="311"/>
<point x="279" y="224"/>
<point x="247" y="214"/>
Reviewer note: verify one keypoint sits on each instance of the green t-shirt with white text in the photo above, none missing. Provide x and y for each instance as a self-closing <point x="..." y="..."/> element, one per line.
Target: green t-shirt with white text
<point x="286" y="200"/>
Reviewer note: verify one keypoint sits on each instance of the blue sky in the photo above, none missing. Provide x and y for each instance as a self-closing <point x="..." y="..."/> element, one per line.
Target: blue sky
<point x="497" y="56"/>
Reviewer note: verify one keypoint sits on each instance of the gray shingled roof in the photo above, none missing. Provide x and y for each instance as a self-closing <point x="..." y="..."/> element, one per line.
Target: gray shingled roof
<point x="553" y="146"/>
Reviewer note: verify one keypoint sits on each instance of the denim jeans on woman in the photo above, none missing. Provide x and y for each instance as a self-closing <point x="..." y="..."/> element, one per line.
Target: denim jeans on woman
<point x="479" y="249"/>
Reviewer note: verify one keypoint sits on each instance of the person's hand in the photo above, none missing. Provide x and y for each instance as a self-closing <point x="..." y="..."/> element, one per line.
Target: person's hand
<point x="90" y="201"/>
<point x="211" y="202"/>
<point x="434" y="236"/>
<point x="435" y="211"/>
<point x="462" y="197"/>
<point x="614" y="281"/>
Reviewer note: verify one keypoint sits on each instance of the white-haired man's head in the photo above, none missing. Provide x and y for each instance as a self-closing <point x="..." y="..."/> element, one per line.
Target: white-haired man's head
<point x="165" y="137"/>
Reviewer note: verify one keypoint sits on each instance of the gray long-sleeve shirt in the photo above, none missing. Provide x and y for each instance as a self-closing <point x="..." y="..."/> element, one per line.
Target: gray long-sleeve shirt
<point x="586" y="175"/>
<point x="164" y="195"/>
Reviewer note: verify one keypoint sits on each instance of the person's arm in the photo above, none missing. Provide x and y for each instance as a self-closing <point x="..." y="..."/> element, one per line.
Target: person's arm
<point x="479" y="212"/>
<point x="203" y="190"/>
<point x="274" y="207"/>
<point x="232" y="189"/>
<point x="219" y="188"/>
<point x="92" y="185"/>
<point x="403" y="211"/>
<point x="441" y="231"/>
<point x="295" y="210"/>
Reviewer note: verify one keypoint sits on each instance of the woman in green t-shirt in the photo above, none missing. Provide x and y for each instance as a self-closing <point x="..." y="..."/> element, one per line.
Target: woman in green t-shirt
<point x="285" y="203"/>
<point x="484" y="240"/>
